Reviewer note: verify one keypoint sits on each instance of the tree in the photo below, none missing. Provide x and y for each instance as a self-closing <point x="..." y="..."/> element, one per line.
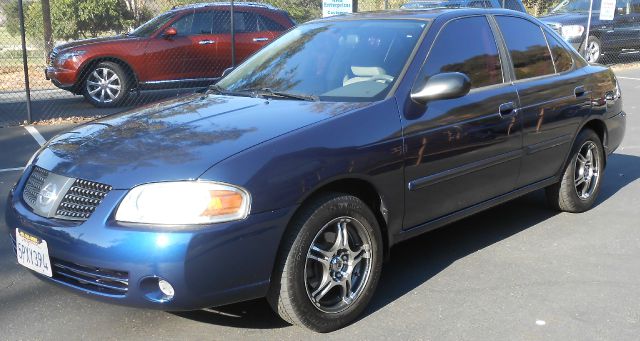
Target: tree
<point x="71" y="19"/>
<point x="46" y="23"/>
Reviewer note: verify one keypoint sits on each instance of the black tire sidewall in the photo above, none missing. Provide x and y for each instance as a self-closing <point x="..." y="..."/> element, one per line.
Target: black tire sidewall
<point x="124" y="85"/>
<point x="311" y="316"/>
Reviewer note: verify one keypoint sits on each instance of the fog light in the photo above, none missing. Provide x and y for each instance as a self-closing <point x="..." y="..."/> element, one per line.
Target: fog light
<point x="166" y="288"/>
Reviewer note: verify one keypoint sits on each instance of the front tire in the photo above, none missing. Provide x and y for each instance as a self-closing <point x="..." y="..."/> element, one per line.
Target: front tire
<point x="329" y="264"/>
<point x="593" y="50"/>
<point x="581" y="181"/>
<point x="106" y="85"/>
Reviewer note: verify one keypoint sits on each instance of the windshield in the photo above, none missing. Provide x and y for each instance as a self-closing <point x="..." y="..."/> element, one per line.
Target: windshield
<point x="575" y="6"/>
<point x="351" y="60"/>
<point x="152" y="25"/>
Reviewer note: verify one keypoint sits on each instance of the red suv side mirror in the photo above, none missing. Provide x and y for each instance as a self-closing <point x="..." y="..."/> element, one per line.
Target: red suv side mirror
<point x="170" y="32"/>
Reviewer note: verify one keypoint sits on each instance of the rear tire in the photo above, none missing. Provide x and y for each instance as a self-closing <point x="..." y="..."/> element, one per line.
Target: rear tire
<point x="581" y="180"/>
<point x="106" y="85"/>
<point x="320" y="282"/>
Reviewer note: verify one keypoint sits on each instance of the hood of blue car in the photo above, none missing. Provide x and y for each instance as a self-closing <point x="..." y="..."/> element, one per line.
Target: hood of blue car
<point x="178" y="139"/>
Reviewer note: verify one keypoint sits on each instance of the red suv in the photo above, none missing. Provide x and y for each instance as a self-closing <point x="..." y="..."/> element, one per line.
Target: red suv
<point x="186" y="46"/>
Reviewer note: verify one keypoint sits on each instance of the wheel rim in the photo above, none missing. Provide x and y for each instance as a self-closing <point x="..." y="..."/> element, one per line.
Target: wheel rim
<point x="103" y="85"/>
<point x="338" y="265"/>
<point x="587" y="170"/>
<point x="593" y="52"/>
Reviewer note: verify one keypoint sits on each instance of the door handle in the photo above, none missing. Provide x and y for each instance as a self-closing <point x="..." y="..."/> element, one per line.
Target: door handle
<point x="579" y="91"/>
<point x="256" y="40"/>
<point x="506" y="109"/>
<point x="206" y="42"/>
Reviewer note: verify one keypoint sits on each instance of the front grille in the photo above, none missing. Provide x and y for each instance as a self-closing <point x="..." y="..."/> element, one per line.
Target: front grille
<point x="81" y="199"/>
<point x="93" y="279"/>
<point x="34" y="185"/>
<point x="55" y="196"/>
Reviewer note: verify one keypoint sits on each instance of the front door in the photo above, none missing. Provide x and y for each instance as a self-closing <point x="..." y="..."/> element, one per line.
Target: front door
<point x="460" y="152"/>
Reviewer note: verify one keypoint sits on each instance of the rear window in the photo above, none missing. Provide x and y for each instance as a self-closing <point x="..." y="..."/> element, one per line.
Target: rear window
<point x="528" y="48"/>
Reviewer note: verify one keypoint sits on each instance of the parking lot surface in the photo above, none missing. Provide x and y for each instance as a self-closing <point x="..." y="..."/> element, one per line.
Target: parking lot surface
<point x="516" y="272"/>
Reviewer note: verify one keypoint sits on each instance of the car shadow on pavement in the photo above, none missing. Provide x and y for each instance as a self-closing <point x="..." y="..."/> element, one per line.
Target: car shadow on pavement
<point x="419" y="259"/>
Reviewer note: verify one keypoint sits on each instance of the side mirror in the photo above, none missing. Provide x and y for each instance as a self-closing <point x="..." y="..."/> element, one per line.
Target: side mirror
<point x="442" y="86"/>
<point x="227" y="71"/>
<point x="170" y="32"/>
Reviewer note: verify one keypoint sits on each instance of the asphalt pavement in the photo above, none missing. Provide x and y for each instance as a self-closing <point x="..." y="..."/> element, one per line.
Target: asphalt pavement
<point x="516" y="272"/>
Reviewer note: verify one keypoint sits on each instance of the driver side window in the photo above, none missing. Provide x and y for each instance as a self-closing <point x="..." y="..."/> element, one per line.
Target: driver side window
<point x="183" y="25"/>
<point x="465" y="45"/>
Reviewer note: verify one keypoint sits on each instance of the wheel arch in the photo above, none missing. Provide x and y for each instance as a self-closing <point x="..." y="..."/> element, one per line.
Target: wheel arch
<point x="86" y="68"/>
<point x="358" y="187"/>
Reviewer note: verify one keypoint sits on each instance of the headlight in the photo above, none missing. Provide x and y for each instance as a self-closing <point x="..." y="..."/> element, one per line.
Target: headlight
<point x="71" y="54"/>
<point x="184" y="203"/>
<point x="572" y="31"/>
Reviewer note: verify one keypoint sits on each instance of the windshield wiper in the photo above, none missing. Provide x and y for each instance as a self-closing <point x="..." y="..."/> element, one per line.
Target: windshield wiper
<point x="217" y="89"/>
<point x="267" y="92"/>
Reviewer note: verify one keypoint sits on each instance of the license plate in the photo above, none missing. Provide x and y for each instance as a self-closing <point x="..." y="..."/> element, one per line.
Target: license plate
<point x="32" y="252"/>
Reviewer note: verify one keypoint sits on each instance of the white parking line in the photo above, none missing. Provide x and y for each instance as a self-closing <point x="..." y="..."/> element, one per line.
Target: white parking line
<point x="631" y="78"/>
<point x="11" y="169"/>
<point x="36" y="135"/>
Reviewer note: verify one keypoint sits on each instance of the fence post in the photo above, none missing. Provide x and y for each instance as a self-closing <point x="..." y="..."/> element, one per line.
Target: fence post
<point x="233" y="38"/>
<point x="586" y="39"/>
<point x="25" y="65"/>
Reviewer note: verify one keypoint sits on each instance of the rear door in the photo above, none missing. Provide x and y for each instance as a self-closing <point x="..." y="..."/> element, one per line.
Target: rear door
<point x="553" y="99"/>
<point x="460" y="152"/>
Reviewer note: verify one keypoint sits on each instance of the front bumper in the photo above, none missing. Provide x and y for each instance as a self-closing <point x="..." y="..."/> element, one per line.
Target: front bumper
<point x="62" y="78"/>
<point x="209" y="266"/>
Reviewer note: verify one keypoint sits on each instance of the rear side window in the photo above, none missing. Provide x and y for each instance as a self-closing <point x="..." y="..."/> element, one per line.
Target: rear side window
<point x="561" y="57"/>
<point x="527" y="46"/>
<point x="465" y="45"/>
<point x="512" y="4"/>
<point x="244" y="22"/>
<point x="266" y="24"/>
<point x="202" y="22"/>
<point x="481" y="4"/>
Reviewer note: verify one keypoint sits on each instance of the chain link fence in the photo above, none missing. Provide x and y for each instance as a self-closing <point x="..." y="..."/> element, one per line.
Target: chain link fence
<point x="133" y="63"/>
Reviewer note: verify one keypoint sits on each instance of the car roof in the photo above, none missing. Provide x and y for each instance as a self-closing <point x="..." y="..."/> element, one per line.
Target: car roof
<point x="422" y="14"/>
<point x="226" y="4"/>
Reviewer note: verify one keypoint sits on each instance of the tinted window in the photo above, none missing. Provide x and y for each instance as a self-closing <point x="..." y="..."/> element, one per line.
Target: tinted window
<point x="202" y="23"/>
<point x="529" y="51"/>
<point x="481" y="4"/>
<point x="266" y="24"/>
<point x="183" y="25"/>
<point x="152" y="25"/>
<point x="512" y="4"/>
<point x="467" y="46"/>
<point x="244" y="22"/>
<point x="561" y="57"/>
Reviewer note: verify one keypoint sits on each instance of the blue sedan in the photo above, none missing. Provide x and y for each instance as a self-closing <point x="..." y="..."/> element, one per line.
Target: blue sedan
<point x="294" y="176"/>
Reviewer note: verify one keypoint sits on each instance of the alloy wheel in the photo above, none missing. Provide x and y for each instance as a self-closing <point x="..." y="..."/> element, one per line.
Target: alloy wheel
<point x="587" y="170"/>
<point x="338" y="265"/>
<point x="593" y="52"/>
<point x="103" y="85"/>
